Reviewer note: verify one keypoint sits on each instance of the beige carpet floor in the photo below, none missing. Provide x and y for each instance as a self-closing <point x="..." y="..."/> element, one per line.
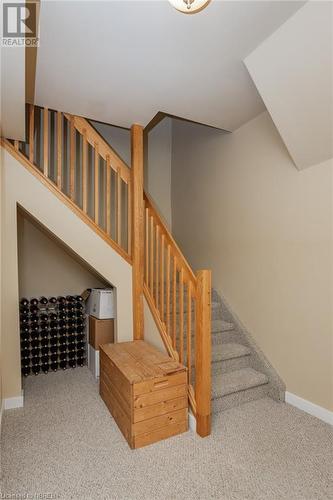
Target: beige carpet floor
<point x="64" y="443"/>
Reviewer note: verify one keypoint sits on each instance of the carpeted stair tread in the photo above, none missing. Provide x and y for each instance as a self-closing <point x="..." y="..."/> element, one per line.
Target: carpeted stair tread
<point x="238" y="380"/>
<point x="219" y="325"/>
<point x="223" y="352"/>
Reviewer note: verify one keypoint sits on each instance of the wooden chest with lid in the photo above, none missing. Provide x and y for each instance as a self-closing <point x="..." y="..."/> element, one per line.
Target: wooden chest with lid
<point x="144" y="390"/>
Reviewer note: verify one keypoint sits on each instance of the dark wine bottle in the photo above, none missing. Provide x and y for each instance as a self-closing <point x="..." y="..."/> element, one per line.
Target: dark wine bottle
<point x="34" y="310"/>
<point x="80" y="338"/>
<point x="45" y="344"/>
<point x="34" y="320"/>
<point x="52" y="300"/>
<point x="62" y="356"/>
<point x="63" y="365"/>
<point x="61" y="318"/>
<point x="25" y="344"/>
<point x="44" y="334"/>
<point x="34" y="302"/>
<point x="35" y="352"/>
<point x="53" y="325"/>
<point x="81" y="361"/>
<point x="62" y="324"/>
<point x="80" y="345"/>
<point x="63" y="348"/>
<point x="79" y="298"/>
<point x="53" y="317"/>
<point x="44" y="359"/>
<point x="71" y="347"/>
<point x="72" y="363"/>
<point x="53" y="349"/>
<point x="43" y="301"/>
<point x="44" y="351"/>
<point x="34" y="335"/>
<point x="35" y="361"/>
<point x="71" y="339"/>
<point x="54" y="366"/>
<point x="24" y="320"/>
<point x="24" y="312"/>
<point x="70" y="299"/>
<point x="45" y="368"/>
<point x="62" y="307"/>
<point x="25" y="362"/>
<point x="44" y="318"/>
<point x="24" y="302"/>
<point x="25" y="354"/>
<point x="25" y="335"/>
<point x="36" y="370"/>
<point x="54" y="358"/>
<point x="25" y="371"/>
<point x="34" y="343"/>
<point x="53" y="334"/>
<point x="80" y="329"/>
<point x="71" y="355"/>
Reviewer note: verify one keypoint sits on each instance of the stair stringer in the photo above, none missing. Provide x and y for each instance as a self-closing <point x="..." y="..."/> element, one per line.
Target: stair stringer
<point x="23" y="189"/>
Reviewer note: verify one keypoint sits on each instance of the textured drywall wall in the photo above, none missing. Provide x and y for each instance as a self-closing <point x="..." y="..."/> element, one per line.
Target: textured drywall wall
<point x="46" y="267"/>
<point x="265" y="229"/>
<point x="21" y="187"/>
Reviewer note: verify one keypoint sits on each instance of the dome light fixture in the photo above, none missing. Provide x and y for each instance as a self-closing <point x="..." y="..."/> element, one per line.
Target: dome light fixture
<point x="189" y="6"/>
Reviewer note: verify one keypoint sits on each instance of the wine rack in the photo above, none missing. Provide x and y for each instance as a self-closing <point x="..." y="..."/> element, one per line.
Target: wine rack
<point x="53" y="334"/>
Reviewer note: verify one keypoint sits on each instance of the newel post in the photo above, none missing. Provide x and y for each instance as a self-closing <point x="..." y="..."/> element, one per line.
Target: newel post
<point x="203" y="378"/>
<point x="137" y="229"/>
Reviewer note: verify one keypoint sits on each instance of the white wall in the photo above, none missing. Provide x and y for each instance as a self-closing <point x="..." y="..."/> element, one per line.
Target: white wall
<point x="46" y="267"/>
<point x="118" y="138"/>
<point x="241" y="208"/>
<point x="158" y="169"/>
<point x="21" y="187"/>
<point x="292" y="70"/>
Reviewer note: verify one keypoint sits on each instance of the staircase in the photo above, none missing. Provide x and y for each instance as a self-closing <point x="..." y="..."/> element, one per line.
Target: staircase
<point x="67" y="155"/>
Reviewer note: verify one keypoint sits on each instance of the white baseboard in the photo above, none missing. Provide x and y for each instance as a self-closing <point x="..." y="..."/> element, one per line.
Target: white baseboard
<point x="192" y="423"/>
<point x="311" y="408"/>
<point x="11" y="403"/>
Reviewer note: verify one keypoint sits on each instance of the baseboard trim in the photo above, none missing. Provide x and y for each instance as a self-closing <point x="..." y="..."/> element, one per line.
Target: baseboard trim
<point x="192" y="423"/>
<point x="16" y="402"/>
<point x="2" y="407"/>
<point x="311" y="408"/>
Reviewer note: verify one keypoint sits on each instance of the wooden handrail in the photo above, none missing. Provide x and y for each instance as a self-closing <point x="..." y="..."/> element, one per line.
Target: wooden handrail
<point x="179" y="301"/>
<point x="65" y="152"/>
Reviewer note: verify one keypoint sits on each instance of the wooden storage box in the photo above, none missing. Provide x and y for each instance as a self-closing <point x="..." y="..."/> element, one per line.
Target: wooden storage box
<point x="145" y="391"/>
<point x="101" y="331"/>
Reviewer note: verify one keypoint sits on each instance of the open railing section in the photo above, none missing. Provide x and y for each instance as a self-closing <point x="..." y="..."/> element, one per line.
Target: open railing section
<point x="180" y="302"/>
<point x="78" y="163"/>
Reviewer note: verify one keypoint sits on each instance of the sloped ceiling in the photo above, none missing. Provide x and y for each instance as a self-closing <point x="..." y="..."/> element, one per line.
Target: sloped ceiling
<point x="121" y="62"/>
<point x="292" y="70"/>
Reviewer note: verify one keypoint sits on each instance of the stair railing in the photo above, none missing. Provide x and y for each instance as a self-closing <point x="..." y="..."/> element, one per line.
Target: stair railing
<point x="180" y="302"/>
<point x="66" y="153"/>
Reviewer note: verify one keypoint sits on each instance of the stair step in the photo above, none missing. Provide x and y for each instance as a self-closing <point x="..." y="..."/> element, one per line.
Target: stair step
<point x="236" y="381"/>
<point x="224" y="352"/>
<point x="219" y="326"/>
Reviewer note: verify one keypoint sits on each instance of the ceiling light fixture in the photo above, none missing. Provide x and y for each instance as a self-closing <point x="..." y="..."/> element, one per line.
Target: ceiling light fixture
<point x="189" y="6"/>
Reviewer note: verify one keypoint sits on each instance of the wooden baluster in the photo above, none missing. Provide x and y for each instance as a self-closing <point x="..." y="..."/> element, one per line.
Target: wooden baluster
<point x="174" y="302"/>
<point x="203" y="381"/>
<point x="108" y="196"/>
<point x="46" y="142"/>
<point x="168" y="290"/>
<point x="129" y="217"/>
<point x="59" y="150"/>
<point x="157" y="252"/>
<point x="162" y="277"/>
<point x="31" y="132"/>
<point x="72" y="160"/>
<point x="84" y="172"/>
<point x="147" y="246"/>
<point x="189" y="330"/>
<point x="181" y="315"/>
<point x="152" y="255"/>
<point x="138" y="228"/>
<point x="96" y="185"/>
<point x="16" y="145"/>
<point x="119" y="208"/>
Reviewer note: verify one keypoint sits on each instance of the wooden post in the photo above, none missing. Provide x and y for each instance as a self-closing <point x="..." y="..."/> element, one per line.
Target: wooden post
<point x="137" y="229"/>
<point x="203" y="379"/>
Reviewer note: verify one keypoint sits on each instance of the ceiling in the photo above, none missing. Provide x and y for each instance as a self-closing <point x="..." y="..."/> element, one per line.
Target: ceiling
<point x="121" y="62"/>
